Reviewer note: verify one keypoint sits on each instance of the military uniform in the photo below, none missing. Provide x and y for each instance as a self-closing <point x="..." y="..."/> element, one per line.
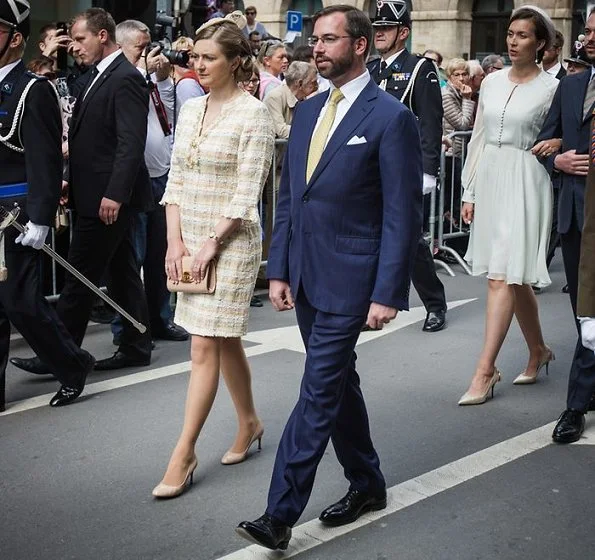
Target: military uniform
<point x="414" y="81"/>
<point x="31" y="176"/>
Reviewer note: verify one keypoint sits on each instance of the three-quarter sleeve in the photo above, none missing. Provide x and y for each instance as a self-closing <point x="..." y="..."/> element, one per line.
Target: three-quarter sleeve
<point x="474" y="153"/>
<point x="173" y="190"/>
<point x="255" y="154"/>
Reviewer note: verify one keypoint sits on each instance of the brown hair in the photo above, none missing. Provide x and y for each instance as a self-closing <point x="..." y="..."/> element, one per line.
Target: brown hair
<point x="97" y="19"/>
<point x="358" y="23"/>
<point x="232" y="42"/>
<point x="542" y="31"/>
<point x="37" y="64"/>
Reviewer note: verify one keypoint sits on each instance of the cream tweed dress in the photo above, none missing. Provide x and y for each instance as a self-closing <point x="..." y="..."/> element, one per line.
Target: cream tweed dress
<point x="220" y="172"/>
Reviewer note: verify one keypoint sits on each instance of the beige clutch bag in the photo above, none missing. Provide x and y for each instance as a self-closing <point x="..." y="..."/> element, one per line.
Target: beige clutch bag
<point x="190" y="286"/>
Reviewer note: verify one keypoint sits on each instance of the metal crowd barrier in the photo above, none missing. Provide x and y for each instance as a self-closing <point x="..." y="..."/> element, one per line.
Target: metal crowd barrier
<point x="446" y="204"/>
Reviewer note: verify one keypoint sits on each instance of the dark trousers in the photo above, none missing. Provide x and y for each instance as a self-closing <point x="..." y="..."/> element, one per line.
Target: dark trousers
<point x="149" y="237"/>
<point x="95" y="249"/>
<point x="330" y="406"/>
<point x="425" y="279"/>
<point x="554" y="235"/>
<point x="581" y="382"/>
<point x="23" y="304"/>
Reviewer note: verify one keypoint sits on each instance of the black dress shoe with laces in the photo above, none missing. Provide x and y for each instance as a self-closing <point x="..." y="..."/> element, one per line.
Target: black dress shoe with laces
<point x="68" y="394"/>
<point x="570" y="426"/>
<point x="32" y="365"/>
<point x="171" y="331"/>
<point x="349" y="508"/>
<point x="120" y="360"/>
<point x="266" y="531"/>
<point x="435" y="321"/>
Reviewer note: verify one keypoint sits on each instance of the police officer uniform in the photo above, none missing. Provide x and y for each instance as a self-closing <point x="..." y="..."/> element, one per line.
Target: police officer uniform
<point x="31" y="176"/>
<point x="414" y="81"/>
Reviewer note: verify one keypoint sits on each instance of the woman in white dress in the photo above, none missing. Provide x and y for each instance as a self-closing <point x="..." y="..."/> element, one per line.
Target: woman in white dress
<point x="508" y="197"/>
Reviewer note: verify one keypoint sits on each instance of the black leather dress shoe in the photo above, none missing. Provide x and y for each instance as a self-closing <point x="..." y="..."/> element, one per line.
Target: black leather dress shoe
<point x="32" y="365"/>
<point x="266" y="531"/>
<point x="68" y="394"/>
<point x="255" y="302"/>
<point x="570" y="426"/>
<point x="435" y="321"/>
<point x="120" y="360"/>
<point x="170" y="332"/>
<point x="349" y="508"/>
<point x="565" y="289"/>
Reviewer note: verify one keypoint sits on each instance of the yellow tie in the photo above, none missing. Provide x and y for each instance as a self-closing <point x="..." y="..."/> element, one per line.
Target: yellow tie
<point x="320" y="136"/>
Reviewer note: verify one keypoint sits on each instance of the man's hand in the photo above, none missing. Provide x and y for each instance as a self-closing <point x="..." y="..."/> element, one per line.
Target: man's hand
<point x="467" y="212"/>
<point x="109" y="210"/>
<point x="159" y="65"/>
<point x="380" y="315"/>
<point x="588" y="332"/>
<point x="280" y="295"/>
<point x="54" y="43"/>
<point x="572" y="163"/>
<point x="34" y="236"/>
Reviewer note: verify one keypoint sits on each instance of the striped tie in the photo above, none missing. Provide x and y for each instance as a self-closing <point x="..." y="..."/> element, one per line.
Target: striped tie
<point x="593" y="138"/>
<point x="589" y="98"/>
<point x="321" y="135"/>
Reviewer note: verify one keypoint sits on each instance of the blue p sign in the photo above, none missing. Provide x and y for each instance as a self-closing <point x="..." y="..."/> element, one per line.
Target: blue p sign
<point x="294" y="21"/>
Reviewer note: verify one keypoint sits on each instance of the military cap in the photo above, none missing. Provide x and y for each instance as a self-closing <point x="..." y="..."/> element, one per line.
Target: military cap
<point x="392" y="12"/>
<point x="15" y="14"/>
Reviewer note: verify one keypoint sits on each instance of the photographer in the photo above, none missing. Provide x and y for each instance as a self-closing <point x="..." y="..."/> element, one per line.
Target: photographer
<point x="149" y="228"/>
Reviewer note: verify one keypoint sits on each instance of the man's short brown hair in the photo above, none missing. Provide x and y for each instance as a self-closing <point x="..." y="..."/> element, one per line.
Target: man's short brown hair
<point x="98" y="19"/>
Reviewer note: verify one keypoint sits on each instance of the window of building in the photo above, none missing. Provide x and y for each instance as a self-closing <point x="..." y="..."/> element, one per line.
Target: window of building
<point x="488" y="30"/>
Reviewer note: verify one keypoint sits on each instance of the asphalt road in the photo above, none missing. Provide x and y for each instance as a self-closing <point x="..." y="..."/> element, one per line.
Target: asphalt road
<point x="465" y="483"/>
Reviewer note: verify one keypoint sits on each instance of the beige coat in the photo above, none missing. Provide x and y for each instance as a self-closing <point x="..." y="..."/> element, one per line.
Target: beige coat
<point x="280" y="103"/>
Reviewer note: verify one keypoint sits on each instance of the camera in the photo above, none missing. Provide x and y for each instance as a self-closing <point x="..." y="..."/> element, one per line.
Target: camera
<point x="159" y="36"/>
<point x="61" y="53"/>
<point x="179" y="58"/>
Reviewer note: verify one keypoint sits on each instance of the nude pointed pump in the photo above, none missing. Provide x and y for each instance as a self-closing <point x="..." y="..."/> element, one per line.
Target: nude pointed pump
<point x="524" y="379"/>
<point x="467" y="399"/>
<point x="165" y="491"/>
<point x="232" y="458"/>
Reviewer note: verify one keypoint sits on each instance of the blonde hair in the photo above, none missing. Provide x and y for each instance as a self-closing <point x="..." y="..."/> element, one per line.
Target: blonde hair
<point x="232" y="42"/>
<point x="182" y="44"/>
<point x="456" y="64"/>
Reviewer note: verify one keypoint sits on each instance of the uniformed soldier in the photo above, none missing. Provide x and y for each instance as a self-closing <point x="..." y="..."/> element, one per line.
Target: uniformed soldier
<point x="31" y="176"/>
<point x="414" y="81"/>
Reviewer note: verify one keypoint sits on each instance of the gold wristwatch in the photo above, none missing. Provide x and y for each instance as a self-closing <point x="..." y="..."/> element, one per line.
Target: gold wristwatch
<point x="213" y="235"/>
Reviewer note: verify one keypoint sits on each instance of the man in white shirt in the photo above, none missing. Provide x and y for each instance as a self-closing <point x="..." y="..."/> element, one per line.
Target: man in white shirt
<point x="149" y="229"/>
<point x="551" y="58"/>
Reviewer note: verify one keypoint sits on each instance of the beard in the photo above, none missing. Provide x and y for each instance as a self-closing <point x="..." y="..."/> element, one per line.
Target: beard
<point x="337" y="67"/>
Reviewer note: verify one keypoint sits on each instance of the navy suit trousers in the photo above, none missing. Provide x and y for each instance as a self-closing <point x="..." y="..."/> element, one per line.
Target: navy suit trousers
<point x="330" y="406"/>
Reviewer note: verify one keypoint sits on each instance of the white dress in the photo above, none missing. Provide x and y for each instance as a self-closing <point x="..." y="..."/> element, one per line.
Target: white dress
<point x="511" y="190"/>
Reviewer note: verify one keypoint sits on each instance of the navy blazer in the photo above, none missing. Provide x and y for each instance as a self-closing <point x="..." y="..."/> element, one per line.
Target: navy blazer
<point x="349" y="235"/>
<point x="565" y="120"/>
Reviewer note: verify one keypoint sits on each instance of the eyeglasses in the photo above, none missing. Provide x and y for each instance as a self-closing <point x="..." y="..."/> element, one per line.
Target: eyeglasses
<point x="326" y="39"/>
<point x="250" y="13"/>
<point x="252" y="82"/>
<point x="460" y="74"/>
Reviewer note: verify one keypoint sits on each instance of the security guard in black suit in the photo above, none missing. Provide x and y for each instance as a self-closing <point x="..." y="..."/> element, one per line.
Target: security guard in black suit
<point x="414" y="81"/>
<point x="31" y="176"/>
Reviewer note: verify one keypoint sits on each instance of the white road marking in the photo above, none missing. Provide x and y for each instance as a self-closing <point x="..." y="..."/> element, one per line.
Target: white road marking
<point x="269" y="340"/>
<point x="312" y="533"/>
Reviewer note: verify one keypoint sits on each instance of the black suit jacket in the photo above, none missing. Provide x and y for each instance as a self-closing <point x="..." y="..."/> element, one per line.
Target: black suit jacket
<point x="41" y="137"/>
<point x="107" y="142"/>
<point x="425" y="102"/>
<point x="565" y="120"/>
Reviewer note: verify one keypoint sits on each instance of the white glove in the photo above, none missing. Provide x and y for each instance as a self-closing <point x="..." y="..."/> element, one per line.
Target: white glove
<point x="429" y="183"/>
<point x="588" y="332"/>
<point x="34" y="236"/>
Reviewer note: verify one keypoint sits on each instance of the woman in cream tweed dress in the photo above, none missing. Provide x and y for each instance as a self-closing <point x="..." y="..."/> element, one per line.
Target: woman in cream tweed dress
<point x="222" y="156"/>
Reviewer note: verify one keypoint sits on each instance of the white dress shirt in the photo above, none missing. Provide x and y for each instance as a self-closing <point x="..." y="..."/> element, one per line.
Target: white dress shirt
<point x="553" y="71"/>
<point x="5" y="70"/>
<point x="102" y="66"/>
<point x="351" y="91"/>
<point x="392" y="58"/>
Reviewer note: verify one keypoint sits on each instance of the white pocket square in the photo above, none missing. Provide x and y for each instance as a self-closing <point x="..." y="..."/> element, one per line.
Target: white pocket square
<point x="357" y="140"/>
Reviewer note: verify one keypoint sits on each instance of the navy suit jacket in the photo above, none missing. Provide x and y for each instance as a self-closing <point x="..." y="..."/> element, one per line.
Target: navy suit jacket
<point x="565" y="120"/>
<point x="349" y="235"/>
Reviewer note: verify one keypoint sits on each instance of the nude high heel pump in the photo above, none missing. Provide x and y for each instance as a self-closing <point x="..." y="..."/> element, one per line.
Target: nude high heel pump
<point x="524" y="379"/>
<point x="231" y="458"/>
<point x="165" y="491"/>
<point x="467" y="399"/>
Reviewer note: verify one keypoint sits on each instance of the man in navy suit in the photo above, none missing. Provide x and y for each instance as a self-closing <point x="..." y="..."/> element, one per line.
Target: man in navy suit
<point x="346" y="232"/>
<point x="569" y="118"/>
